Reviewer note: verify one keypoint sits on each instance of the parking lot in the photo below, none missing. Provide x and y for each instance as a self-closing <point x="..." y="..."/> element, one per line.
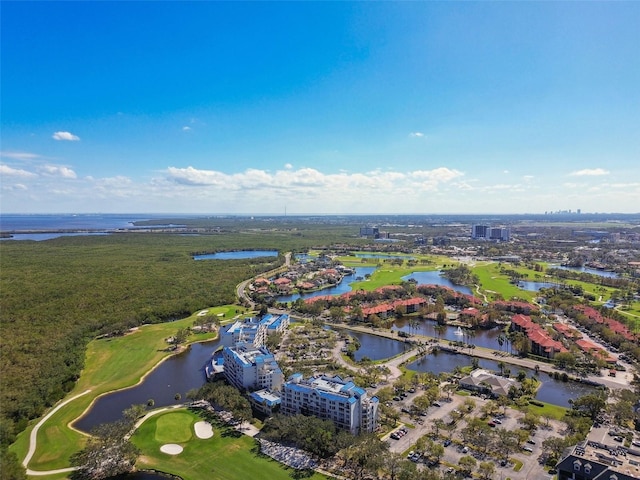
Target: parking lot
<point x="531" y="467"/>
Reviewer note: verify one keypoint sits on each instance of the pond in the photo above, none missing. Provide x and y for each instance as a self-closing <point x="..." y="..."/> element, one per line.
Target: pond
<point x="383" y="256"/>
<point x="592" y="271"/>
<point x="177" y="374"/>
<point x="142" y="475"/>
<point x="237" y="255"/>
<point x="376" y="348"/>
<point x="481" y="338"/>
<point x="535" y="286"/>
<point x="551" y="391"/>
<point x="343" y="287"/>
<point x="435" y="278"/>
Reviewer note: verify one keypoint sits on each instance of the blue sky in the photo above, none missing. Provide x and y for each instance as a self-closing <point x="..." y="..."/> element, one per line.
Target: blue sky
<point x="327" y="107"/>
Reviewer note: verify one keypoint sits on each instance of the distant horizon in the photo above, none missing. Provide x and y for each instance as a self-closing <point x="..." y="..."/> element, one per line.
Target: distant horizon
<point x="406" y="214"/>
<point x="341" y="107"/>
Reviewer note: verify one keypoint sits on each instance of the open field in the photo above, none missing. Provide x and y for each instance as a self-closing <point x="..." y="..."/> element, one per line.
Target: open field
<point x="228" y="455"/>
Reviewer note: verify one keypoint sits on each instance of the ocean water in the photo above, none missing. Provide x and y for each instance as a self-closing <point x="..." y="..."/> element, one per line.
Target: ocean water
<point x="17" y="223"/>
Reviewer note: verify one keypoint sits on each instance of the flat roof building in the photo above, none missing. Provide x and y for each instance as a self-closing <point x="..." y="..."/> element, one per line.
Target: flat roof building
<point x="254" y="330"/>
<point x="348" y="406"/>
<point x="249" y="368"/>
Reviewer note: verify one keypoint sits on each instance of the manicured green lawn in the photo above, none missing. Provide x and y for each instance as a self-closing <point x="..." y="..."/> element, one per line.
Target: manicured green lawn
<point x="552" y="411"/>
<point x="227" y="455"/>
<point x="493" y="282"/>
<point x="174" y="428"/>
<point x="110" y="364"/>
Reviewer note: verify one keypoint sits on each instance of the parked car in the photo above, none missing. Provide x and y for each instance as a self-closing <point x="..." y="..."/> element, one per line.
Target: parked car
<point x="436" y="404"/>
<point x="497" y="420"/>
<point x="531" y="442"/>
<point x="447" y="442"/>
<point x="491" y="424"/>
<point x="527" y="449"/>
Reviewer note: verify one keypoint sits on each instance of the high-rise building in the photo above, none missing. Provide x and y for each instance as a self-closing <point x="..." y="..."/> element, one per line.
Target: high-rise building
<point x="480" y="231"/>
<point x="488" y="232"/>
<point x="349" y="407"/>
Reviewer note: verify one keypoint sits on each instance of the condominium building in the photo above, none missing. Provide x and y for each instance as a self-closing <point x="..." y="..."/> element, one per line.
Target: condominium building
<point x="254" y="330"/>
<point x="349" y="407"/>
<point x="249" y="368"/>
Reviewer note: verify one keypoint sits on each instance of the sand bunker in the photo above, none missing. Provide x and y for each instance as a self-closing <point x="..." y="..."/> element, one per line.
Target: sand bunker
<point x="171" y="449"/>
<point x="203" y="430"/>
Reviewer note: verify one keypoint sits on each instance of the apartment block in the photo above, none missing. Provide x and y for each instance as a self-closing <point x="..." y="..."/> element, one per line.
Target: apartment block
<point x="348" y="406"/>
<point x="249" y="368"/>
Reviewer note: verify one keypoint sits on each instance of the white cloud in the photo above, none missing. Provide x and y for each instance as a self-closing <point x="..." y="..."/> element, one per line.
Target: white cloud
<point x="309" y="181"/>
<point x="186" y="128"/>
<point x="8" y="171"/>
<point x="58" y="171"/>
<point x="589" y="172"/>
<point x="68" y="136"/>
<point x="19" y="155"/>
<point x="192" y="176"/>
<point x="416" y="134"/>
<point x="288" y="166"/>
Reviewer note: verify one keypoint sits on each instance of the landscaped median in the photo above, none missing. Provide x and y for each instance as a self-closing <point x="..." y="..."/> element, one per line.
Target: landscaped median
<point x="111" y="364"/>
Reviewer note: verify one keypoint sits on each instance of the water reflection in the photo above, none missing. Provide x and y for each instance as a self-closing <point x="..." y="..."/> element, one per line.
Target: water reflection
<point x="551" y="391"/>
<point x="436" y="278"/>
<point x="176" y="375"/>
<point x="592" y="271"/>
<point x="481" y="338"/>
<point x="534" y="286"/>
<point x="376" y="348"/>
<point x="343" y="287"/>
<point x="237" y="255"/>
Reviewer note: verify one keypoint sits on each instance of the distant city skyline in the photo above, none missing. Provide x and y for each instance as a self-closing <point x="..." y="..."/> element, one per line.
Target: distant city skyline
<point x="320" y="107"/>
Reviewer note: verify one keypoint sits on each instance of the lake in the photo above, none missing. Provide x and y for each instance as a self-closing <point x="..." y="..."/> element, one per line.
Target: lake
<point x="383" y="256"/>
<point x="481" y="338"/>
<point x="343" y="287"/>
<point x="534" y="286"/>
<point x="376" y="348"/>
<point x="551" y="391"/>
<point x="177" y="374"/>
<point x="237" y="255"/>
<point x="592" y="271"/>
<point x="435" y="278"/>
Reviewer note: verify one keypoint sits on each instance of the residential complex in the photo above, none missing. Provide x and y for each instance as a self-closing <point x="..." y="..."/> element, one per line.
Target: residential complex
<point x="249" y="368"/>
<point x="254" y="330"/>
<point x="541" y="342"/>
<point x="331" y="398"/>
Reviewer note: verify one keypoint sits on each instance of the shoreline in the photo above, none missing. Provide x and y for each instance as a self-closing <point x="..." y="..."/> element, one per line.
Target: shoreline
<point x="71" y="426"/>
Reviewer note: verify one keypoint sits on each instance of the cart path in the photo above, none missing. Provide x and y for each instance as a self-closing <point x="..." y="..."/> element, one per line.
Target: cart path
<point x="34" y="434"/>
